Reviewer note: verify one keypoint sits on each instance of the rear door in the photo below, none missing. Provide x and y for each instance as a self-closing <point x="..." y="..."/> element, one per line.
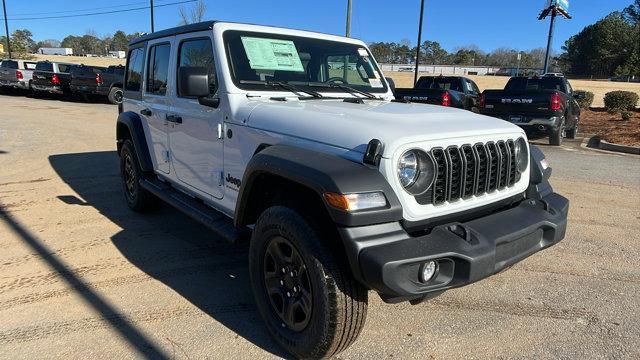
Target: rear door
<point x="196" y="142"/>
<point x="157" y="100"/>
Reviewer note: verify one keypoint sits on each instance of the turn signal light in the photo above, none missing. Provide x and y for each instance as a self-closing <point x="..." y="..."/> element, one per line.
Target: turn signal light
<point x="99" y="79"/>
<point x="354" y="202"/>
<point x="19" y="75"/>
<point x="483" y="101"/>
<point x="55" y="79"/>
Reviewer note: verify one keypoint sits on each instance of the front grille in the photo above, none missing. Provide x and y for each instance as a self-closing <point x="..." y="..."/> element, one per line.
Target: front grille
<point x="468" y="170"/>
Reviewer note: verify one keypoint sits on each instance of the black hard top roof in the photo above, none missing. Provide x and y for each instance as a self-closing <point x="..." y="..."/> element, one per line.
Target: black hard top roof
<point x="201" y="26"/>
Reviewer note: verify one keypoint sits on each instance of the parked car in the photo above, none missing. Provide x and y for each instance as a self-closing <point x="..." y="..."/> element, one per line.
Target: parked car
<point x="338" y="189"/>
<point x="454" y="91"/>
<point x="110" y="83"/>
<point x="16" y="74"/>
<point x="51" y="77"/>
<point x="85" y="79"/>
<point x="537" y="104"/>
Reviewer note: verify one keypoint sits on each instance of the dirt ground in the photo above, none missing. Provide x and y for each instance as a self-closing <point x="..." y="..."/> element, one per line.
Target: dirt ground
<point x="611" y="127"/>
<point x="598" y="88"/>
<point x="81" y="276"/>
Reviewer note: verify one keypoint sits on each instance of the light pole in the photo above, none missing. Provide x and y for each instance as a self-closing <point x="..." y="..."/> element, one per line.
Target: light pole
<point x="348" y="32"/>
<point x="547" y="57"/>
<point x="415" y="76"/>
<point x="152" y="27"/>
<point x="519" y="58"/>
<point x="6" y="27"/>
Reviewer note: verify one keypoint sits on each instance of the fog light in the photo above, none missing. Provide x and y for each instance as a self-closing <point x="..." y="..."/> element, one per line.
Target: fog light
<point x="428" y="270"/>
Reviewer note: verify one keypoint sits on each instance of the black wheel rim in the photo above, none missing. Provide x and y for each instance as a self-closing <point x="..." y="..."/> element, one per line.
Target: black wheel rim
<point x="287" y="284"/>
<point x="129" y="176"/>
<point x="118" y="96"/>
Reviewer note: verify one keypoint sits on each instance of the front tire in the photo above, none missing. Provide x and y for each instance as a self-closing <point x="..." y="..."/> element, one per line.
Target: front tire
<point x="309" y="301"/>
<point x="138" y="199"/>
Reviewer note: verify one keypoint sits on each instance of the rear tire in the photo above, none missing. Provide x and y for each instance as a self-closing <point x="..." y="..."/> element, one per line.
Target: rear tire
<point x="137" y="198"/>
<point x="115" y="95"/>
<point x="338" y="303"/>
<point x="571" y="133"/>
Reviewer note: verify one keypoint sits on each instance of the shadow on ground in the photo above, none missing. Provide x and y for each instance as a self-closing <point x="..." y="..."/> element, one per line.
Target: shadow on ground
<point x="169" y="247"/>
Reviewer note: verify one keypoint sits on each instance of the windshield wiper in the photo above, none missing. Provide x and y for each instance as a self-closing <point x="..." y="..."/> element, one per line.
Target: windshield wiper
<point x="349" y="89"/>
<point x="284" y="85"/>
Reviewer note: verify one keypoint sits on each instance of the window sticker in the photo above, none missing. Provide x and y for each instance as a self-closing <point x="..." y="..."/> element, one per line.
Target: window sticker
<point x="272" y="54"/>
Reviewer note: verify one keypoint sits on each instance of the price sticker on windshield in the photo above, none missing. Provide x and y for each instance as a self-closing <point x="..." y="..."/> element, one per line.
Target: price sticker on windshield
<point x="363" y="52"/>
<point x="272" y="54"/>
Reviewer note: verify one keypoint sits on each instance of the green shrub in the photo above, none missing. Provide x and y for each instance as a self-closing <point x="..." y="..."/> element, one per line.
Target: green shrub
<point x="626" y="115"/>
<point x="618" y="101"/>
<point x="584" y="98"/>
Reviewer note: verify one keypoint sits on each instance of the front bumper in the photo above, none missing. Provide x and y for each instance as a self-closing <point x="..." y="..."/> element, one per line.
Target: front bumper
<point x="388" y="259"/>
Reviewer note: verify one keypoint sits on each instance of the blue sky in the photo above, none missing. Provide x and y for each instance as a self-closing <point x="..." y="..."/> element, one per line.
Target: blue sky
<point x="488" y="24"/>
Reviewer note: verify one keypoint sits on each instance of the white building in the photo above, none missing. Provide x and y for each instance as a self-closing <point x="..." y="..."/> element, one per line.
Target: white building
<point x="55" y="51"/>
<point x="117" y="54"/>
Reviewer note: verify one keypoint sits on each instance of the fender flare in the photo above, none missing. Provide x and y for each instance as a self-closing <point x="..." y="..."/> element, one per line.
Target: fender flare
<point x="321" y="173"/>
<point x="132" y="122"/>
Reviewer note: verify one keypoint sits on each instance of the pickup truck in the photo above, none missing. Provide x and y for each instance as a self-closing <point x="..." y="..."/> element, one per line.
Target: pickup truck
<point x="51" y="77"/>
<point x="16" y="74"/>
<point x="339" y="190"/>
<point x="97" y="81"/>
<point x="544" y="105"/>
<point x="84" y="80"/>
<point x="455" y="91"/>
<point x="110" y="83"/>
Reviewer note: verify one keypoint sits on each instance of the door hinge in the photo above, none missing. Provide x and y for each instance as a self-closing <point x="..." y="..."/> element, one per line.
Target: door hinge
<point x="220" y="132"/>
<point x="167" y="156"/>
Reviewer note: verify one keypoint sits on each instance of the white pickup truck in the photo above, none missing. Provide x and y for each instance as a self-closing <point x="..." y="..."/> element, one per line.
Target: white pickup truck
<point x="291" y="140"/>
<point x="16" y="74"/>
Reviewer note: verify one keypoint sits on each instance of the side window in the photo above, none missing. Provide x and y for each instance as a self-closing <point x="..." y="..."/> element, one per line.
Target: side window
<point x="158" y="69"/>
<point x="135" y="66"/>
<point x="199" y="53"/>
<point x="63" y="68"/>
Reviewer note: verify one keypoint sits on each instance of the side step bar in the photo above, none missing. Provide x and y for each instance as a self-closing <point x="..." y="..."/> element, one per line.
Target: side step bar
<point x="217" y="222"/>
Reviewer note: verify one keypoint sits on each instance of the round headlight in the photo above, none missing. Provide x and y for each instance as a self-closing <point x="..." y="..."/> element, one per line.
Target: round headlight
<point x="416" y="171"/>
<point x="522" y="154"/>
<point x="408" y="169"/>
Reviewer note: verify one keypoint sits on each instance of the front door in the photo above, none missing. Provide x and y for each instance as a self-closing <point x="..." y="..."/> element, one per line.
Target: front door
<point x="197" y="142"/>
<point x="157" y="100"/>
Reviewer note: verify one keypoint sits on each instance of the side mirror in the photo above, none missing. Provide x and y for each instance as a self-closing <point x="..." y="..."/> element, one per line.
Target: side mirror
<point x="194" y="82"/>
<point x="392" y="84"/>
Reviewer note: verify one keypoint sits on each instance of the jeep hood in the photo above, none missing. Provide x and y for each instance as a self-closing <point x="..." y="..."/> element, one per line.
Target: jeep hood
<point x="351" y="126"/>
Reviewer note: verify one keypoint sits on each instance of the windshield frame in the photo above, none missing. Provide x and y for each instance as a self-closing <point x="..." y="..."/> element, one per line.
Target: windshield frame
<point x="305" y="86"/>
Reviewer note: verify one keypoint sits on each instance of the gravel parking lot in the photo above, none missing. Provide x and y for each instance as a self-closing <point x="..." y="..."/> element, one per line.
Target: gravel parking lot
<point x="84" y="277"/>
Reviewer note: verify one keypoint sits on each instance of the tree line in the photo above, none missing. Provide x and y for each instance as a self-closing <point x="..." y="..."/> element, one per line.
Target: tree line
<point x="22" y="43"/>
<point x="611" y="46"/>
<point x="432" y="53"/>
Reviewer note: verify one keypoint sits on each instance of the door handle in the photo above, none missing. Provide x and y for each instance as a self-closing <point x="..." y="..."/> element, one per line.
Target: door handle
<point x="146" y="112"/>
<point x="174" y="119"/>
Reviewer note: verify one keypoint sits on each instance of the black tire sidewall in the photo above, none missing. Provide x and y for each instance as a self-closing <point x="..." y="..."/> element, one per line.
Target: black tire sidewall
<point x="282" y="221"/>
<point x="112" y="95"/>
<point x="128" y="150"/>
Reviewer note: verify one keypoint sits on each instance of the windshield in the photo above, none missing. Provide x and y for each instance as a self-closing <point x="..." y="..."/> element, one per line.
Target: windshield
<point x="256" y="59"/>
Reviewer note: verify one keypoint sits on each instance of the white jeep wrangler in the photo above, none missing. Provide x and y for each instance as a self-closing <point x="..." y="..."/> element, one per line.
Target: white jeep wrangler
<point x="292" y="140"/>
